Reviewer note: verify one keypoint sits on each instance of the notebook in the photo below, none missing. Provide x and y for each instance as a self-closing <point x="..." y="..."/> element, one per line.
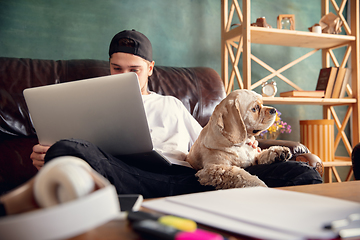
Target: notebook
<point x="106" y="111"/>
<point x="261" y="213"/>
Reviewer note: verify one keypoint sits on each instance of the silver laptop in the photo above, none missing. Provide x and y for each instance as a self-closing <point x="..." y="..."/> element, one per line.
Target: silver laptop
<point x="106" y="111"/>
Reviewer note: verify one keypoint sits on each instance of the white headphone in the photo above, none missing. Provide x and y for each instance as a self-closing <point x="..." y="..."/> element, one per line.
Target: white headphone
<point x="87" y="201"/>
<point x="63" y="180"/>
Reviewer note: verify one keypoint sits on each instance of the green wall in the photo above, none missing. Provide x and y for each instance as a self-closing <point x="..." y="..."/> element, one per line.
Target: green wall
<point x="183" y="32"/>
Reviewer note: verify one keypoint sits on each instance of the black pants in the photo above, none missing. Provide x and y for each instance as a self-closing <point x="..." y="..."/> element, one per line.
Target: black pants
<point x="176" y="179"/>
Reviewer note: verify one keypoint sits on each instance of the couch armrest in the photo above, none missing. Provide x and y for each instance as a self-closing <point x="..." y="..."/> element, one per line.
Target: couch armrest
<point x="299" y="151"/>
<point x="15" y="164"/>
<point x="295" y="147"/>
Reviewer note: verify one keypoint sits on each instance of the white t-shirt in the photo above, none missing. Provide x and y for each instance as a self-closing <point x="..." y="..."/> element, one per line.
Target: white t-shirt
<point x="173" y="129"/>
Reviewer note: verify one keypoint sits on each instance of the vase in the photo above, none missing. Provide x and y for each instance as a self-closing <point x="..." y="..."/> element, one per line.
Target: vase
<point x="269" y="136"/>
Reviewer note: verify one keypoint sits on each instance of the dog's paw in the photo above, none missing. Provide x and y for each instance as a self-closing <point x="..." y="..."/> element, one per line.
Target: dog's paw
<point x="254" y="181"/>
<point x="280" y="154"/>
<point x="274" y="154"/>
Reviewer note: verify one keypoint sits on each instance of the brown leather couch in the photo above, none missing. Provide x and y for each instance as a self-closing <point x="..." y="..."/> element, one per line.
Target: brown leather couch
<point x="199" y="88"/>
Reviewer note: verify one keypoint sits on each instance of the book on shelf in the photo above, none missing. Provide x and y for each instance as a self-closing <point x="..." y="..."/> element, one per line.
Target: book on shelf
<point x="326" y="80"/>
<point x="341" y="81"/>
<point x="345" y="83"/>
<point x="302" y="93"/>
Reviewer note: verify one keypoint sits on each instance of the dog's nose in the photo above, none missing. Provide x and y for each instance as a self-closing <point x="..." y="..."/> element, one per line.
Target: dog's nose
<point x="272" y="111"/>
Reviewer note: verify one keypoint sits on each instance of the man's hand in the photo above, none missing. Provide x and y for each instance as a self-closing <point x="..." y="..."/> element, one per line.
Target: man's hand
<point x="38" y="155"/>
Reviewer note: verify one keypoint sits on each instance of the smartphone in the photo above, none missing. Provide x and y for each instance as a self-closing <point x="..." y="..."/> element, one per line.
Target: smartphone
<point x="130" y="202"/>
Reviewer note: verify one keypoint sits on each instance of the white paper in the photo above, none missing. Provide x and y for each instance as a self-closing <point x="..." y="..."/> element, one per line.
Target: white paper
<point x="260" y="212"/>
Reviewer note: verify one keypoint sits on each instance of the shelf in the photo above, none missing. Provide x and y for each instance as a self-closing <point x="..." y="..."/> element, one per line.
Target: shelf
<point x="330" y="167"/>
<point x="309" y="101"/>
<point x="337" y="163"/>
<point x="290" y="38"/>
<point x="237" y="51"/>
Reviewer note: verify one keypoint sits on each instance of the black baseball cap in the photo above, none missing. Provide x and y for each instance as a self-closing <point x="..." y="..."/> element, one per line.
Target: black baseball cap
<point x="142" y="46"/>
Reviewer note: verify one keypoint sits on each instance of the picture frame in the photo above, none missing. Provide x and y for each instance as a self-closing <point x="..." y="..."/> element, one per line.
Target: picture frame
<point x="282" y="17"/>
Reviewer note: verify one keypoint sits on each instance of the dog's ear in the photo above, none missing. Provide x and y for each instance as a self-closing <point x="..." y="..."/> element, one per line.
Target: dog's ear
<point x="231" y="123"/>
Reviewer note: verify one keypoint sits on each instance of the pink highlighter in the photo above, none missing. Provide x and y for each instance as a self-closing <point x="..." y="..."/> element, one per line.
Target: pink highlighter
<point x="198" y="234"/>
<point x="155" y="230"/>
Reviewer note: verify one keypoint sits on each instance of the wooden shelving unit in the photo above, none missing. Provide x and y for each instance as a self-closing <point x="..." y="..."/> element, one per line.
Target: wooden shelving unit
<point x="241" y="37"/>
<point x="290" y="38"/>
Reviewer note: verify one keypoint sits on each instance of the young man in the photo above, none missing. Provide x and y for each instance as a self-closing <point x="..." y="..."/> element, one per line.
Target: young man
<point x="173" y="130"/>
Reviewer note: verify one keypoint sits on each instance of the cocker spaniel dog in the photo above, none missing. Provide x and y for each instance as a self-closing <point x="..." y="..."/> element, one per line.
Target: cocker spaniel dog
<point x="224" y="146"/>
